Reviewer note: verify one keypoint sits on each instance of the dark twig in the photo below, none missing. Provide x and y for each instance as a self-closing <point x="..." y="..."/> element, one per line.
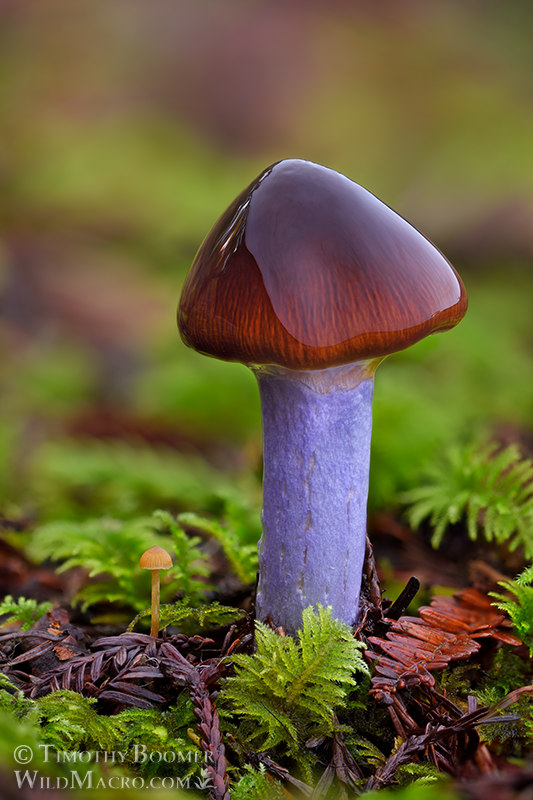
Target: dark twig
<point x="346" y="768"/>
<point x="198" y="680"/>
<point x="447" y="630"/>
<point x="434" y="735"/>
<point x="210" y="738"/>
<point x="279" y="772"/>
<point x="370" y="616"/>
<point x="403" y="600"/>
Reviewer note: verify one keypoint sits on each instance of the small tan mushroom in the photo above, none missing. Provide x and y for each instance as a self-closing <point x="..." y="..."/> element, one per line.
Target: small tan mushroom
<point x="155" y="559"/>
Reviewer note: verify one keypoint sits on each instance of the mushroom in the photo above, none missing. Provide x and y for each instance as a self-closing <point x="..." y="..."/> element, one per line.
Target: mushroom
<point x="155" y="558"/>
<point x="311" y="281"/>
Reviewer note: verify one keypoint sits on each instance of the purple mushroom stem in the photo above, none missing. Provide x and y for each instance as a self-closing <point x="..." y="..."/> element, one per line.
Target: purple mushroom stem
<point x="316" y="437"/>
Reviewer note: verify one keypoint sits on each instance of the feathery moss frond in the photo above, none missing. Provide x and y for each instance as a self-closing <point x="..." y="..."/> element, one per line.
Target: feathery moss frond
<point x="73" y="723"/>
<point x="181" y="614"/>
<point x="241" y="556"/>
<point x="109" y="549"/>
<point x="492" y="491"/>
<point x="289" y="688"/>
<point x="190" y="563"/>
<point x="519" y="607"/>
<point x="256" y="784"/>
<point x="25" y="611"/>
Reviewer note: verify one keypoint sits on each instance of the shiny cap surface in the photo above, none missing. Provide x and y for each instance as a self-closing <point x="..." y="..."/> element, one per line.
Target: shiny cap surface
<point x="306" y="269"/>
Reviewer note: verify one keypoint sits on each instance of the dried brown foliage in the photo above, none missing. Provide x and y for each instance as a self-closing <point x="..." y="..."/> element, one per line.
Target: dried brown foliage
<point x="116" y="671"/>
<point x="131" y="669"/>
<point x="447" y="630"/>
<point x="201" y="682"/>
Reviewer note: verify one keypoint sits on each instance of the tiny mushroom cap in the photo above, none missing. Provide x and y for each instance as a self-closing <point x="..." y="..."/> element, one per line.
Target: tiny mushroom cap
<point x="306" y="270"/>
<point x="155" y="558"/>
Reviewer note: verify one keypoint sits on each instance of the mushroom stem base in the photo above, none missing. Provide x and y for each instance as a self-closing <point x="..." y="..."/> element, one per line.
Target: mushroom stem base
<point x="315" y="488"/>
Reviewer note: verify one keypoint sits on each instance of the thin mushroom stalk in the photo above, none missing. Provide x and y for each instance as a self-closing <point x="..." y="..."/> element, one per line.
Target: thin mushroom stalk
<point x="311" y="281"/>
<point x="156" y="594"/>
<point x="155" y="559"/>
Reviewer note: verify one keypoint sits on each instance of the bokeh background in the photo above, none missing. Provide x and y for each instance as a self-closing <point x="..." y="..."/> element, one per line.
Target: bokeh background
<point x="128" y="127"/>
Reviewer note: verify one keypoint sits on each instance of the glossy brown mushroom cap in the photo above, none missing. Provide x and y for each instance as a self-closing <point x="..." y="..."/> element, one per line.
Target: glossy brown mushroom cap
<point x="306" y="270"/>
<point x="155" y="558"/>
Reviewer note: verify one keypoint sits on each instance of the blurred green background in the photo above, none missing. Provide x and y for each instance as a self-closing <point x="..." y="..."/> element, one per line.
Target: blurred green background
<point x="128" y="127"/>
